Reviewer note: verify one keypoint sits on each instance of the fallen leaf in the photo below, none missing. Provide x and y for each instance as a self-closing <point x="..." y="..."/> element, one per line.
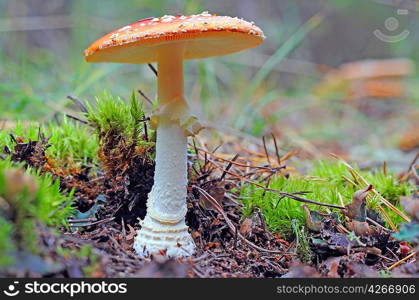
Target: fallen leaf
<point x="313" y="219"/>
<point x="404" y="249"/>
<point x="216" y="189"/>
<point x="360" y="228"/>
<point x="300" y="270"/>
<point x="246" y="227"/>
<point x="411" y="206"/>
<point x="357" y="209"/>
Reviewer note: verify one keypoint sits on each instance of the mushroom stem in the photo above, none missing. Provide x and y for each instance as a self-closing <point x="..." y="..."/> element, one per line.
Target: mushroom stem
<point x="164" y="228"/>
<point x="170" y="73"/>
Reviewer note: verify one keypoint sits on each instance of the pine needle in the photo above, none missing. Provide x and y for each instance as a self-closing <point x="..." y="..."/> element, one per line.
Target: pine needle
<point x="358" y="178"/>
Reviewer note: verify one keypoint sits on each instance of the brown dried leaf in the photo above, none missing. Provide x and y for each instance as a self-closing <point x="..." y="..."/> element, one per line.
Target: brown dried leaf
<point x="357" y="209"/>
<point x="300" y="270"/>
<point x="411" y="206"/>
<point x="217" y="190"/>
<point x="312" y="221"/>
<point x="360" y="228"/>
<point x="246" y="227"/>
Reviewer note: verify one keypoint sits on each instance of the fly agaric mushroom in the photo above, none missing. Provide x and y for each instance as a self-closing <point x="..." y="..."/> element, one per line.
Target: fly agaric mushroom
<point x="169" y="41"/>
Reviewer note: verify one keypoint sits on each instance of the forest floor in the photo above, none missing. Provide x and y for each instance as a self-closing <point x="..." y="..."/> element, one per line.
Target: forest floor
<point x="334" y="239"/>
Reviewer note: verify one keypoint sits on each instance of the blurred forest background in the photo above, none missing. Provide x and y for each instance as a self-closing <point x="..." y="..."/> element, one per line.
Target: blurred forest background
<point x="295" y="85"/>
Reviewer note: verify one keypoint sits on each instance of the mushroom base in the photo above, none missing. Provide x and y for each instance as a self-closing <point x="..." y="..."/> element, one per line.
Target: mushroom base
<point x="154" y="237"/>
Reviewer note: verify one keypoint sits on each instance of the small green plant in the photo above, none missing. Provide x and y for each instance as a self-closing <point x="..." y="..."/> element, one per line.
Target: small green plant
<point x="324" y="183"/>
<point x="301" y="239"/>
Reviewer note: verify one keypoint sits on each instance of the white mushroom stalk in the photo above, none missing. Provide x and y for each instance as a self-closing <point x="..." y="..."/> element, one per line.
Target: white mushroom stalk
<point x="164" y="228"/>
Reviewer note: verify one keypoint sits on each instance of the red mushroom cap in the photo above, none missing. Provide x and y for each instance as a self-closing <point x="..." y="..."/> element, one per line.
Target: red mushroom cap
<point x="204" y="35"/>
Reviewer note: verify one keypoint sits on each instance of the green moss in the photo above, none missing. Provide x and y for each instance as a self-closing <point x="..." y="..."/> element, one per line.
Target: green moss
<point x="52" y="206"/>
<point x="6" y="245"/>
<point x="387" y="185"/>
<point x="278" y="212"/>
<point x="115" y="119"/>
<point x="26" y="198"/>
<point x="71" y="142"/>
<point x="325" y="184"/>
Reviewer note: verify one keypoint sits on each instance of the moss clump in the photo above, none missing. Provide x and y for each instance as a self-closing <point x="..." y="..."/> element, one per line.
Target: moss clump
<point x="69" y="143"/>
<point x="324" y="183"/>
<point x="118" y="122"/>
<point x="26" y="198"/>
<point x="388" y="186"/>
<point x="126" y="153"/>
